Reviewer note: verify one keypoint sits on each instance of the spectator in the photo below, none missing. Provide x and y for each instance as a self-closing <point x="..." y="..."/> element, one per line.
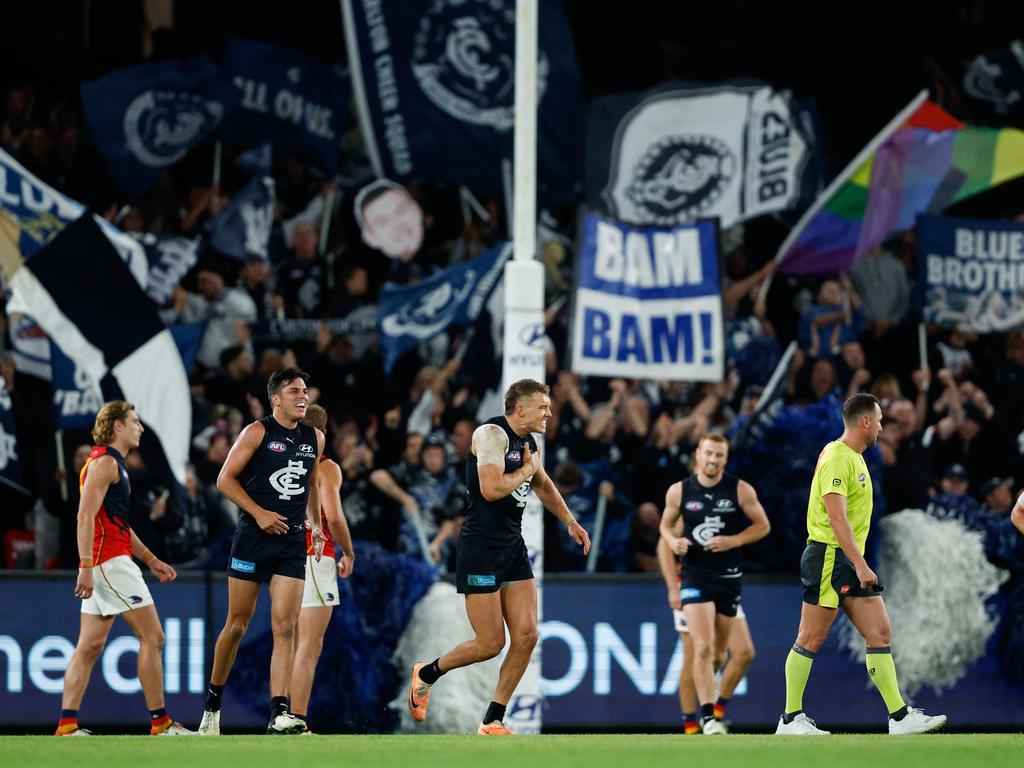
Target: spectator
<point x="252" y="279"/>
<point x="301" y="278"/>
<point x="235" y="384"/>
<point x="834" y="320"/>
<point x="354" y="293"/>
<point x="881" y="281"/>
<point x="582" y="485"/>
<point x="226" y="311"/>
<point x="997" y="494"/>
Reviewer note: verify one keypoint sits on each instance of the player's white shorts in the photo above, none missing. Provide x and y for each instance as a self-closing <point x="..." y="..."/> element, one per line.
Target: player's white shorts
<point x="118" y="586"/>
<point x="680" y="619"/>
<point x="321" y="587"/>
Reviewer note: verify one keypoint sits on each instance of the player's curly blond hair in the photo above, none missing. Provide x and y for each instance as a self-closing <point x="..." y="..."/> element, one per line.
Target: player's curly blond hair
<point x="103" y="429"/>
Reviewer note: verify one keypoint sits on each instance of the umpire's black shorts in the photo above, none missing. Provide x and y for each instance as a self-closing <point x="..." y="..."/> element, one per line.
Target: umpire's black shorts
<point x="480" y="569"/>
<point x="828" y="576"/>
<point x="259" y="556"/>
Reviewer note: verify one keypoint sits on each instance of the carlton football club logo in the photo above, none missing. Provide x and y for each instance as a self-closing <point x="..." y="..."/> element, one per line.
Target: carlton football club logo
<point x="160" y="126"/>
<point x="680" y="177"/>
<point x="433" y="312"/>
<point x="286" y="480"/>
<point x="463" y="58"/>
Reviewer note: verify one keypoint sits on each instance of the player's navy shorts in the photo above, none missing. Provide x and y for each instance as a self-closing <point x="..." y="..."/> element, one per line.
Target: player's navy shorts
<point x="481" y="569"/>
<point x="828" y="576"/>
<point x="259" y="556"/>
<point x="704" y="587"/>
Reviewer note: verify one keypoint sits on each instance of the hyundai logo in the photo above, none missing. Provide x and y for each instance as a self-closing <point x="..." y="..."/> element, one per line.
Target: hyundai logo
<point x="532" y="335"/>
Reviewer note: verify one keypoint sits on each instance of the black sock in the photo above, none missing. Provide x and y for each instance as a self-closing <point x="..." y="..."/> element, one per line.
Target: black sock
<point x="299" y="717"/>
<point x="787" y="717"/>
<point x="213" y="694"/>
<point x="495" y="711"/>
<point x="707" y="712"/>
<point x="430" y="672"/>
<point x="156" y="714"/>
<point x="899" y="714"/>
<point x="278" y="705"/>
<point x="66" y="713"/>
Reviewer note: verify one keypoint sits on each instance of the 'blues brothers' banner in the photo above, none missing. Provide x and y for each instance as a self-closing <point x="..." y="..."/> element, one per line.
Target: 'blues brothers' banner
<point x="288" y="99"/>
<point x="683" y="152"/>
<point x="144" y="119"/>
<point x="972" y="272"/>
<point x="647" y="302"/>
<point x="435" y="81"/>
<point x="412" y="314"/>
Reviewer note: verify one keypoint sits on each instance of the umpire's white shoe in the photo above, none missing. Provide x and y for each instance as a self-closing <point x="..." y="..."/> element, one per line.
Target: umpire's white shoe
<point x="286" y="724"/>
<point x="210" y="726"/>
<point x="915" y="721"/>
<point x="713" y="727"/>
<point x="801" y="725"/>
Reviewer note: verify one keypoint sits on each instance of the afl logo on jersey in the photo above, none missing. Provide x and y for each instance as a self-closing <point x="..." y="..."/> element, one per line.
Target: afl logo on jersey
<point x="695" y="506"/>
<point x="513" y="455"/>
<point x="277" y="447"/>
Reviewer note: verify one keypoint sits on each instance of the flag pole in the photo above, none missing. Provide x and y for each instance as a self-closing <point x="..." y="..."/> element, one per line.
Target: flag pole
<point x="872" y="146"/>
<point x="216" y="162"/>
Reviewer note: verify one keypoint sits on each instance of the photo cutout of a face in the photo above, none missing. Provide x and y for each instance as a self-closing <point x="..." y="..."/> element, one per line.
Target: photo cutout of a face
<point x="390" y="219"/>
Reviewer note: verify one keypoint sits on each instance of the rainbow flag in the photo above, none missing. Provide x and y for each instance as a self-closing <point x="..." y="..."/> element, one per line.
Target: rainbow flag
<point x="922" y="162"/>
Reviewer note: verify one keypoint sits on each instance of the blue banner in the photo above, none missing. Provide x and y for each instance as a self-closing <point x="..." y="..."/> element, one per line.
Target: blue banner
<point x="434" y="81"/>
<point x="146" y="118"/>
<point x="170" y="259"/>
<point x="10" y="463"/>
<point x="242" y="230"/>
<point x="648" y="302"/>
<point x="411" y="314"/>
<point x="288" y="99"/>
<point x="611" y="657"/>
<point x="971" y="272"/>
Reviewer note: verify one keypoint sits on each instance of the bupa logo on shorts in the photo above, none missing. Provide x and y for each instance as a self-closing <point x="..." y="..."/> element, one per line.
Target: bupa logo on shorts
<point x="478" y="580"/>
<point x="242" y="566"/>
<point x="689" y="593"/>
<point x="836" y="481"/>
<point x="695" y="506"/>
<point x="513" y="456"/>
<point x="277" y="447"/>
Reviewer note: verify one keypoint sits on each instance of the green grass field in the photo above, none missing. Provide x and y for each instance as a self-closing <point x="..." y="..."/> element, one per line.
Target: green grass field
<point x="582" y="751"/>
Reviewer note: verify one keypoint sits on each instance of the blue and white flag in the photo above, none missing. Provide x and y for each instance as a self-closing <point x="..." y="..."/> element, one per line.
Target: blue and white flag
<point x="242" y="230"/>
<point x="648" y="302"/>
<point x="170" y="259"/>
<point x="144" y="119"/>
<point x="82" y="295"/>
<point x="971" y="273"/>
<point x="288" y="99"/>
<point x="411" y="314"/>
<point x="77" y="398"/>
<point x="683" y="152"/>
<point x="10" y="463"/>
<point x="434" y="84"/>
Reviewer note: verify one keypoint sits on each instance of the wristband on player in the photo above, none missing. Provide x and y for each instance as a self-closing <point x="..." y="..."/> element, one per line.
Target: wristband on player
<point x="147" y="557"/>
<point x="84" y="562"/>
<point x="570" y="521"/>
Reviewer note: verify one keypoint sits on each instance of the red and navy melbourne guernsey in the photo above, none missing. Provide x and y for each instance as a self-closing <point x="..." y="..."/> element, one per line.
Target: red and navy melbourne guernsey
<point x="497" y="523"/>
<point x="277" y="476"/>
<point x="325" y="529"/>
<point x="710" y="512"/>
<point x="112" y="536"/>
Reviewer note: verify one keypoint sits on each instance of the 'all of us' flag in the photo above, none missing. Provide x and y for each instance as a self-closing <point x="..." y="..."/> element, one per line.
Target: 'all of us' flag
<point x="85" y="298"/>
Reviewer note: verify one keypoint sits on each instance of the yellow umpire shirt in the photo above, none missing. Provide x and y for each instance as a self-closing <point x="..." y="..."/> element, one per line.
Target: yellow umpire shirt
<point x="841" y="470"/>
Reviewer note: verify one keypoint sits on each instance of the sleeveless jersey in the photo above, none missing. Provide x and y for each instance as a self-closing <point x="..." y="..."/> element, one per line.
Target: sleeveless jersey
<point x="329" y="544"/>
<point x="497" y="523"/>
<point x="277" y="476"/>
<point x="112" y="536"/>
<point x="710" y="512"/>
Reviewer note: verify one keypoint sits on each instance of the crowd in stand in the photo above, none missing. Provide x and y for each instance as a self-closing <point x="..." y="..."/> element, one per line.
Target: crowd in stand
<point x="953" y="432"/>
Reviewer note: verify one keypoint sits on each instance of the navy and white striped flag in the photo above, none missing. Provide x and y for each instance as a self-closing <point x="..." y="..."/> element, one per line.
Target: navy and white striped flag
<point x="87" y="301"/>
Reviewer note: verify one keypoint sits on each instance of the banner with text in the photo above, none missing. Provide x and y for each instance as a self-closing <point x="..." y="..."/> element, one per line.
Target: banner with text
<point x="972" y="272"/>
<point x="647" y="302"/>
<point x="683" y="152"/>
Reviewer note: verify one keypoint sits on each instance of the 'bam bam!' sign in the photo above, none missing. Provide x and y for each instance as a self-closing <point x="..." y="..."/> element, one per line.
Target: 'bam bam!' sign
<point x="648" y="302"/>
